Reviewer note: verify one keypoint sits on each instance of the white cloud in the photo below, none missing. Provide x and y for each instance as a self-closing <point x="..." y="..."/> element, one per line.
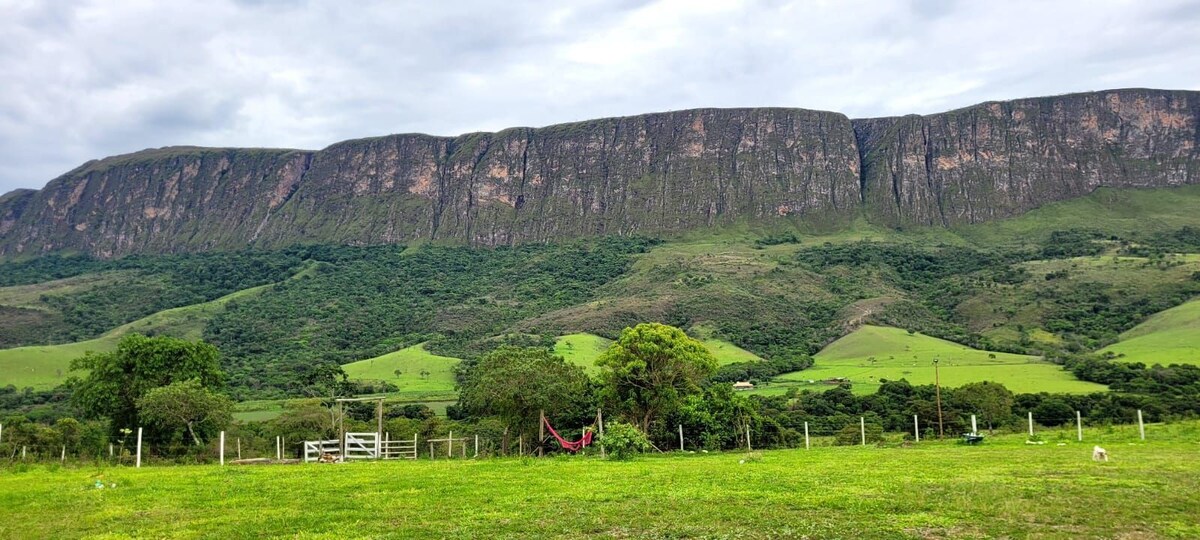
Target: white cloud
<point x="84" y="80"/>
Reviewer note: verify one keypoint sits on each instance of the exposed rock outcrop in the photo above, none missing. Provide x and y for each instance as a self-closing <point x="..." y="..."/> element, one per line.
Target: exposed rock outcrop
<point x="654" y="174"/>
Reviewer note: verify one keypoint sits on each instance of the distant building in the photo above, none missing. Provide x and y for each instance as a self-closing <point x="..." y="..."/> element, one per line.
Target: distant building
<point x="743" y="385"/>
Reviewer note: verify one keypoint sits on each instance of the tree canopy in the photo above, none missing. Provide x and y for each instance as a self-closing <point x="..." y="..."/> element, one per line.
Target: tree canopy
<point x="650" y="369"/>
<point x="186" y="406"/>
<point x="117" y="380"/>
<point x="516" y="383"/>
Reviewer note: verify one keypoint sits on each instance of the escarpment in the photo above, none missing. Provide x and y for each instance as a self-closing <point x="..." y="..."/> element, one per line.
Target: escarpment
<point x="654" y="174"/>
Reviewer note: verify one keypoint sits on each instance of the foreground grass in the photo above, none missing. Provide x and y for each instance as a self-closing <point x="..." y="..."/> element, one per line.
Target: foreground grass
<point x="940" y="490"/>
<point x="1168" y="337"/>
<point x="874" y="353"/>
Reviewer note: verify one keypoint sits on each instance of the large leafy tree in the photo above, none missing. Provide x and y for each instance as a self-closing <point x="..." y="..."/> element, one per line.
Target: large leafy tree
<point x="650" y="369"/>
<point x="117" y="380"/>
<point x="991" y="401"/>
<point x="186" y="406"/>
<point x="515" y="383"/>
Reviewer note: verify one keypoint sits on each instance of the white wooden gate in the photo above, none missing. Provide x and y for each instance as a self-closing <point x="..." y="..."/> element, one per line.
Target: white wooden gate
<point x="313" y="450"/>
<point x="399" y="449"/>
<point x="362" y="445"/>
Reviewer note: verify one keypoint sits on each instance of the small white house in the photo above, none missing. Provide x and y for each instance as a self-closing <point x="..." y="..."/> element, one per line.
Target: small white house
<point x="743" y="385"/>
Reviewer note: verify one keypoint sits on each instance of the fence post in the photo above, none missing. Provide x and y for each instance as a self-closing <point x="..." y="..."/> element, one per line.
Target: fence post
<point x="239" y="447"/>
<point x="974" y="426"/>
<point x="916" y="429"/>
<point x="222" y="452"/>
<point x="1030" y="423"/>
<point x="1" y="432"/>
<point x="22" y="452"/>
<point x="806" y="446"/>
<point x="1079" y="426"/>
<point x="450" y="445"/>
<point x="110" y="450"/>
<point x="1141" y="426"/>
<point x="476" y="445"/>
<point x="416" y="453"/>
<point x="680" y="437"/>
<point x="64" y="454"/>
<point x="138" y="459"/>
<point x="862" y="427"/>
<point x="278" y="448"/>
<point x="747" y="435"/>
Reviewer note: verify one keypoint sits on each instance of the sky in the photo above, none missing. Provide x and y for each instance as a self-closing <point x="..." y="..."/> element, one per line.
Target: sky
<point x="84" y="80"/>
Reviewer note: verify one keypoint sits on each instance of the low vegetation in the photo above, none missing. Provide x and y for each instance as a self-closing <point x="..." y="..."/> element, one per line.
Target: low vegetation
<point x="1004" y="488"/>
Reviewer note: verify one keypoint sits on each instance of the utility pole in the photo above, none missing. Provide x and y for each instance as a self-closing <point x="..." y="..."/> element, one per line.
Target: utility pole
<point x="937" y="384"/>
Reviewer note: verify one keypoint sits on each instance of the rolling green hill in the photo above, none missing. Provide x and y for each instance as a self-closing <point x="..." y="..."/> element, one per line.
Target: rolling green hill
<point x="413" y="369"/>
<point x="45" y="366"/>
<point x="872" y="354"/>
<point x="1169" y="337"/>
<point x="583" y="349"/>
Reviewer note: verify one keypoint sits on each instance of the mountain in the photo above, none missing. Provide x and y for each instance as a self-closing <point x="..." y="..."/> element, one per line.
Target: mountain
<point x="648" y="175"/>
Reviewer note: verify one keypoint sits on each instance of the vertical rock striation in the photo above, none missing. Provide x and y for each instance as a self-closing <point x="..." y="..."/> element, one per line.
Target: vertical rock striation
<point x="999" y="159"/>
<point x="654" y="174"/>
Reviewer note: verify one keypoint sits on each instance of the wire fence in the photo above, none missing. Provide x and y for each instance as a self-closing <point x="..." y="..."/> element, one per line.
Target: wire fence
<point x="863" y="430"/>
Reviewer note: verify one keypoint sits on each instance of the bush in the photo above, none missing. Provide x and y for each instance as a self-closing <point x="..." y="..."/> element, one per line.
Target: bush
<point x="623" y="441"/>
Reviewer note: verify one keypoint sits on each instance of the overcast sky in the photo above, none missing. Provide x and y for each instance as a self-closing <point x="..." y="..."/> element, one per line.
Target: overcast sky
<point x="83" y="80"/>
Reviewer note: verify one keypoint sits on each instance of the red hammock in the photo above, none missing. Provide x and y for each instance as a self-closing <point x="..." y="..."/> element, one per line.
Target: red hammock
<point x="570" y="446"/>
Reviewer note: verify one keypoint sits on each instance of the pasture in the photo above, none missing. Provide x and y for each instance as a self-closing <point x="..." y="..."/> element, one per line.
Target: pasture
<point x="413" y="369"/>
<point x="875" y="353"/>
<point x="584" y="349"/>
<point x="1167" y="337"/>
<point x="938" y="489"/>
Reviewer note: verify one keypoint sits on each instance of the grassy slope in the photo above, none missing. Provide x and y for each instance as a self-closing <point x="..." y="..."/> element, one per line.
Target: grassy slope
<point x="1003" y="489"/>
<point x="583" y="349"/>
<point x="410" y="361"/>
<point x="897" y="354"/>
<point x="1170" y="337"/>
<point x="44" y="367"/>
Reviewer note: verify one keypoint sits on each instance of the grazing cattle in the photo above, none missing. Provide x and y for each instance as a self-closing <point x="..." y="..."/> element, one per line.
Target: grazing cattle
<point x="1099" y="454"/>
<point x="327" y="458"/>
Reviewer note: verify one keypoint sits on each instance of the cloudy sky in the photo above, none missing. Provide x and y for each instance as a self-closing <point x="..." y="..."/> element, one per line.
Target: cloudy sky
<point x="84" y="80"/>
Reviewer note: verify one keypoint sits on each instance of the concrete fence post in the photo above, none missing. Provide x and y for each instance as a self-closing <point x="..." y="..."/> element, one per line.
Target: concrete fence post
<point x="1030" y="423"/>
<point x="221" y="453"/>
<point x="862" y="428"/>
<point x="974" y="426"/>
<point x="916" y="429"/>
<point x="138" y="460"/>
<point x="1141" y="426"/>
<point x="1079" y="426"/>
<point x="806" y="446"/>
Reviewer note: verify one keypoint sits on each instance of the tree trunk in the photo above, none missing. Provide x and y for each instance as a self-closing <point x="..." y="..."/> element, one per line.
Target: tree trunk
<point x="192" y="432"/>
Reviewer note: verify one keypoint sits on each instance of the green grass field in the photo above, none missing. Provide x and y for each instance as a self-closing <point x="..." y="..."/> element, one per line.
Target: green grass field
<point x="1002" y="489"/>
<point x="42" y="367"/>
<point x="583" y="349"/>
<point x="1168" y="337"/>
<point x="410" y="362"/>
<point x="874" y="353"/>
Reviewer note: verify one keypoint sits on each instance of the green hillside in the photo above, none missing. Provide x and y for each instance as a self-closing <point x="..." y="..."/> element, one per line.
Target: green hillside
<point x="45" y="366"/>
<point x="873" y="354"/>
<point x="413" y="369"/>
<point x="1170" y="337"/>
<point x="583" y="349"/>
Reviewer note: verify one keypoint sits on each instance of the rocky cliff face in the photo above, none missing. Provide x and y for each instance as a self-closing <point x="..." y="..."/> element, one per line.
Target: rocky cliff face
<point x="999" y="159"/>
<point x="655" y="174"/>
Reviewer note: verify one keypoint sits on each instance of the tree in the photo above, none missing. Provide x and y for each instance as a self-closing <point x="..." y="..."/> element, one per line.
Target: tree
<point x="650" y="369"/>
<point x="516" y="383"/>
<point x="186" y="405"/>
<point x="117" y="380"/>
<point x="991" y="401"/>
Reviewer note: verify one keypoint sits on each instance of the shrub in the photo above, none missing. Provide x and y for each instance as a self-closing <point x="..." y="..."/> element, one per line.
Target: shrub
<point x="623" y="441"/>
